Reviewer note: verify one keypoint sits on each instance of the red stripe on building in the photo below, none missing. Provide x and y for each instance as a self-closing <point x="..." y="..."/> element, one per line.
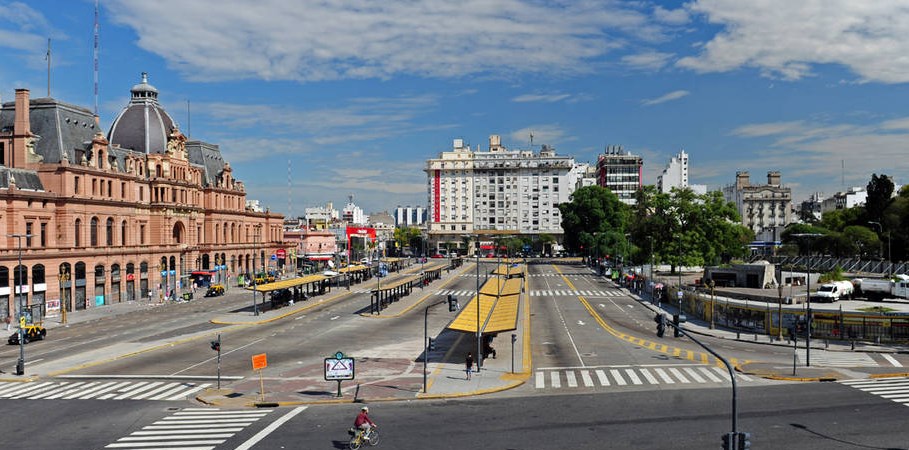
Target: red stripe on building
<point x="437" y="210"/>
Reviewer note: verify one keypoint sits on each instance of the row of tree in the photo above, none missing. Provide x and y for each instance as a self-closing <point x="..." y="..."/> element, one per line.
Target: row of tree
<point x="681" y="228"/>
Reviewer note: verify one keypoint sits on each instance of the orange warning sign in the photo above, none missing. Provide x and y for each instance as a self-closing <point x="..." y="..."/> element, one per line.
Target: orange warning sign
<point x="259" y="361"/>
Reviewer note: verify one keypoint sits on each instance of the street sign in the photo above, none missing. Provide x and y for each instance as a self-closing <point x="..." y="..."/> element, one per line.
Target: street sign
<point x="680" y="295"/>
<point x="274" y="257"/>
<point x="281" y="253"/>
<point x="339" y="367"/>
<point x="259" y="361"/>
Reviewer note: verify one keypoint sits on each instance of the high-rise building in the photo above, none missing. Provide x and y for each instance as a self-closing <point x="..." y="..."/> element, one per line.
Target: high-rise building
<point x="620" y="172"/>
<point x="497" y="192"/>
<point x="675" y="175"/>
<point x="118" y="217"/>
<point x="353" y="214"/>
<point x="409" y="216"/>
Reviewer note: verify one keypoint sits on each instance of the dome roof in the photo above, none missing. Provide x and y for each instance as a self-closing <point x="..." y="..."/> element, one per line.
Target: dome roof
<point x="143" y="125"/>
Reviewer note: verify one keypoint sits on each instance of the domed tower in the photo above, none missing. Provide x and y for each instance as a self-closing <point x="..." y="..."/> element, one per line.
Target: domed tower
<point x="143" y="125"/>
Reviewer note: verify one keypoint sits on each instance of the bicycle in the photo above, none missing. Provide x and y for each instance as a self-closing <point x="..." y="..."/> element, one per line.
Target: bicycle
<point x="359" y="437"/>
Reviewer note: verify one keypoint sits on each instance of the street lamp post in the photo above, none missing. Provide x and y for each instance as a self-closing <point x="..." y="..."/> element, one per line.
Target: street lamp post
<point x="479" y="334"/>
<point x="889" y="255"/>
<point x="808" y="293"/>
<point x="20" y="364"/>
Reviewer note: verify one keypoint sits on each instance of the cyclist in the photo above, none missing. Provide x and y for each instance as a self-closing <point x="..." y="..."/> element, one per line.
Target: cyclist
<point x="363" y="422"/>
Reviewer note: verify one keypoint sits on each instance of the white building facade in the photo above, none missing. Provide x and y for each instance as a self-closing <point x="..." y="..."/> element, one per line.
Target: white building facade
<point x="497" y="192"/>
<point x="766" y="209"/>
<point x="410" y="216"/>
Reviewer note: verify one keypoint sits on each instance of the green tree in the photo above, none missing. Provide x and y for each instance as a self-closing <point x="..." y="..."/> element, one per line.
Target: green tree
<point x="880" y="193"/>
<point x="409" y="237"/>
<point x="593" y="216"/>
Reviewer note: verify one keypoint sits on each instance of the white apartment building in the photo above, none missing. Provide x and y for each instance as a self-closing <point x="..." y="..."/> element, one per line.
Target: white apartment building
<point x="675" y="175"/>
<point x="620" y="172"/>
<point x="320" y="217"/>
<point x="409" y="216"/>
<point x="496" y="192"/>
<point x="353" y="214"/>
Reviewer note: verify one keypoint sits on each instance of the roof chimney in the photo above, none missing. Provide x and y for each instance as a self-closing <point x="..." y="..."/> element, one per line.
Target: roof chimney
<point x="21" y="128"/>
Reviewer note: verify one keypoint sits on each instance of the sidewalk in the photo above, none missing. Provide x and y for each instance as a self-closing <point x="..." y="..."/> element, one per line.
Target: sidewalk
<point x="785" y="371"/>
<point x="386" y="379"/>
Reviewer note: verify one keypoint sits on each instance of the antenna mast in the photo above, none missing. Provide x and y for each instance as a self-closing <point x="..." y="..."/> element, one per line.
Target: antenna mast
<point x="48" y="58"/>
<point x="95" y="53"/>
<point x="288" y="191"/>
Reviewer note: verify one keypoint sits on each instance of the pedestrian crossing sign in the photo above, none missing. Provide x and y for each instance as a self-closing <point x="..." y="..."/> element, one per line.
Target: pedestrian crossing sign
<point x="339" y="368"/>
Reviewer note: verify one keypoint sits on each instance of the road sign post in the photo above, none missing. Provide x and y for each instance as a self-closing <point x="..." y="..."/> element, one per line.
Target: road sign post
<point x="260" y="362"/>
<point x="339" y="368"/>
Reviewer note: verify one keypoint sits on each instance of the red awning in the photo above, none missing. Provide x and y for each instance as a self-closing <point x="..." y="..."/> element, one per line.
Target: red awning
<point x="203" y="272"/>
<point x="487" y="247"/>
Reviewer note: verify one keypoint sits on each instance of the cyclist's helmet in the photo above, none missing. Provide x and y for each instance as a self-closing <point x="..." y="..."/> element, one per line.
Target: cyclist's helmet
<point x="364" y="409"/>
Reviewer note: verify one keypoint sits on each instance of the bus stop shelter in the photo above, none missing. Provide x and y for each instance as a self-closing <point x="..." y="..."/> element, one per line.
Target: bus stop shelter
<point x="297" y="289"/>
<point x="392" y="292"/>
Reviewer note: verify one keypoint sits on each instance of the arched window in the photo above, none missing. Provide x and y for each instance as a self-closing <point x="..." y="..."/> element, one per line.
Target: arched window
<point x="79" y="273"/>
<point x="17" y="273"/>
<point x="77" y="231"/>
<point x="38" y="274"/>
<point x="93" y="232"/>
<point x="4" y="277"/>
<point x="177" y="233"/>
<point x="109" y="229"/>
<point x="123" y="233"/>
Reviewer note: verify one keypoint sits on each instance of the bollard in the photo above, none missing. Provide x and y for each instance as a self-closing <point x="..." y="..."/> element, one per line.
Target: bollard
<point x="737" y="335"/>
<point x="853" y="345"/>
<point x="755" y="338"/>
<point x="826" y="343"/>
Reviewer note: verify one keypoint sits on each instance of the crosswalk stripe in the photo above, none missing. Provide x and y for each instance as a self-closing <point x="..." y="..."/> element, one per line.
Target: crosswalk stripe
<point x="891" y="360"/>
<point x="604" y="381"/>
<point x="666" y="378"/>
<point x="20" y="388"/>
<point x="585" y="376"/>
<point x="678" y="375"/>
<point x="707" y="373"/>
<point x="694" y="375"/>
<point x="22" y="393"/>
<point x="650" y="378"/>
<point x="87" y="395"/>
<point x="540" y="380"/>
<point x="70" y="389"/>
<point x="556" y="382"/>
<point x="571" y="379"/>
<point x="617" y="377"/>
<point x="633" y="376"/>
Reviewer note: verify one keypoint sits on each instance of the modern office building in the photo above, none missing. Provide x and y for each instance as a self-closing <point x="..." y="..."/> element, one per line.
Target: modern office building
<point x="476" y="194"/>
<point x="620" y="172"/>
<point x="765" y="208"/>
<point x="409" y="216"/>
<point x="116" y="217"/>
<point x="675" y="175"/>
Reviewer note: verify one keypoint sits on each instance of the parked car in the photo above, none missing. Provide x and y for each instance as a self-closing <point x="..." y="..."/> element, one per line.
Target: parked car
<point x="438" y="255"/>
<point x="32" y="333"/>
<point x="214" y="290"/>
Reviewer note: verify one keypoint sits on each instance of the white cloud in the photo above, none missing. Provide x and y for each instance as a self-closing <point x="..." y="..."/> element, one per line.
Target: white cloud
<point x="26" y="31"/>
<point x="647" y="60"/>
<point x="786" y="39"/>
<point x="545" y="98"/>
<point x="355" y="39"/>
<point x="674" y="95"/>
<point x="671" y="17"/>
<point x="767" y="129"/>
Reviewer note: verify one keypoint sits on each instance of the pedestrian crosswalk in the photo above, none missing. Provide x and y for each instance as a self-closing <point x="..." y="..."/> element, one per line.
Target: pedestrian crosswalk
<point x="632" y="376"/>
<point x="100" y="390"/>
<point x="895" y="389"/>
<point x="191" y="429"/>
<point x="836" y="359"/>
<point x="575" y="293"/>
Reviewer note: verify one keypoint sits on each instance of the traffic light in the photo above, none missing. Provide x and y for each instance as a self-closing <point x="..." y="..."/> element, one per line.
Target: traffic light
<point x="432" y="344"/>
<point x="453" y="303"/>
<point x="660" y="320"/>
<point x="744" y="441"/>
<point x="678" y="320"/>
<point x="729" y="441"/>
<point x="216" y="345"/>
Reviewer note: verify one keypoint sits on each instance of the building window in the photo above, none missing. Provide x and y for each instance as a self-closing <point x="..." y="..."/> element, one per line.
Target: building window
<point x="123" y="233"/>
<point x="77" y="185"/>
<point x="78" y="233"/>
<point x="43" y="235"/>
<point x="28" y="234"/>
<point x="141" y="194"/>
<point x="93" y="232"/>
<point x="109" y="229"/>
<point x="123" y="190"/>
<point x="142" y="234"/>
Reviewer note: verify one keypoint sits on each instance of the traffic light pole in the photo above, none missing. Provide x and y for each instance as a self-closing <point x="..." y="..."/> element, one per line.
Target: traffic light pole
<point x="426" y="338"/>
<point x="679" y="329"/>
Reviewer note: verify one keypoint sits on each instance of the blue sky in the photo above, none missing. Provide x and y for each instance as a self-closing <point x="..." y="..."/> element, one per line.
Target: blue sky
<point x="355" y="95"/>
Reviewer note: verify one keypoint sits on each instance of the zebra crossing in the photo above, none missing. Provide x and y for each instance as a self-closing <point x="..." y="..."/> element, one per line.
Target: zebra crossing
<point x="837" y="359"/>
<point x="191" y="429"/>
<point x="895" y="389"/>
<point x="632" y="376"/>
<point x="575" y="293"/>
<point x="100" y="390"/>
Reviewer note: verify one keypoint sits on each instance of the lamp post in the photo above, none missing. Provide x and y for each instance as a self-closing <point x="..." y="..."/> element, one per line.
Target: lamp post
<point x="20" y="364"/>
<point x="712" y="303"/>
<point x="889" y="255"/>
<point x="255" y="256"/>
<point x="680" y="271"/>
<point x="479" y="334"/>
<point x="808" y="293"/>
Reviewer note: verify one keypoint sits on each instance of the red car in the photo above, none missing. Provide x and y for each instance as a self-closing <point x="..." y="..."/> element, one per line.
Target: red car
<point x="437" y="256"/>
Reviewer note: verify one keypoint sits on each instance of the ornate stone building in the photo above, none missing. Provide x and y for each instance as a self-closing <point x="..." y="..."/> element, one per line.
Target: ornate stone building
<point x="116" y="217"/>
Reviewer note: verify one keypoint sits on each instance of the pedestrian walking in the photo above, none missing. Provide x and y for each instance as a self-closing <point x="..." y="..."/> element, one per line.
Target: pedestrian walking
<point x="468" y="361"/>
